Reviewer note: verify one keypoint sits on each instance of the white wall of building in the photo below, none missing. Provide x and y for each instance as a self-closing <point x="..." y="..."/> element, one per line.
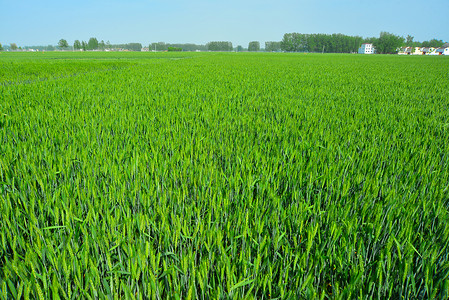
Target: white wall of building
<point x="366" y="49"/>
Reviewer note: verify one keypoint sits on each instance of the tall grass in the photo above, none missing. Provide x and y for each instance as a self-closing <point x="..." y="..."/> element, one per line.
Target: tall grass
<point x="197" y="176"/>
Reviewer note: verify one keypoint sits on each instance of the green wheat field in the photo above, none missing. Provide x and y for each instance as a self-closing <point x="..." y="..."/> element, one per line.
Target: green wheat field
<point x="223" y="176"/>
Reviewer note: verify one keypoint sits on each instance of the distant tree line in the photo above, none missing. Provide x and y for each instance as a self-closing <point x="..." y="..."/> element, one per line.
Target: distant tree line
<point x="319" y="42"/>
<point x="41" y="48"/>
<point x="273" y="46"/>
<point x="390" y="43"/>
<point x="409" y="42"/>
<point x="291" y="42"/>
<point x="340" y="43"/>
<point x="219" y="46"/>
<point x="161" y="46"/>
<point x="94" y="44"/>
<point x="129" y="46"/>
<point x="12" y="47"/>
<point x="174" y="49"/>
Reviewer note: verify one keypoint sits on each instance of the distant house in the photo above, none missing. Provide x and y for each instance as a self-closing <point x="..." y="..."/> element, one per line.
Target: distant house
<point x="427" y="50"/>
<point x="367" y="48"/>
<point x="431" y="51"/>
<point x="438" y="51"/>
<point x="445" y="48"/>
<point x="405" y="51"/>
<point x="417" y="51"/>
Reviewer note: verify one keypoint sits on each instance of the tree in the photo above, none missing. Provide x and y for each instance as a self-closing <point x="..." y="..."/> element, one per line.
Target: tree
<point x="133" y="46"/>
<point x="239" y="48"/>
<point x="77" y="45"/>
<point x="254" y="46"/>
<point x="101" y="45"/>
<point x="92" y="44"/>
<point x="62" y="44"/>
<point x="160" y="46"/>
<point x="294" y="42"/>
<point x="14" y="46"/>
<point x="272" y="46"/>
<point x="219" y="46"/>
<point x="50" y="48"/>
<point x="84" y="45"/>
<point x="174" y="49"/>
<point x="409" y="40"/>
<point x="433" y="43"/>
<point x="388" y="43"/>
<point x="1" y="47"/>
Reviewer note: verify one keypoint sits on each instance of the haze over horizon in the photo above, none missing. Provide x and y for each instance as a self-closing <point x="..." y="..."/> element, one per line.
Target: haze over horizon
<point x="30" y="23"/>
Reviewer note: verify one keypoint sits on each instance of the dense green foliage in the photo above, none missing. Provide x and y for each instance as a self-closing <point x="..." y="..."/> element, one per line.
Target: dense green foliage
<point x="77" y="45"/>
<point x="230" y="175"/>
<point x="92" y="44"/>
<point x="329" y="43"/>
<point x="388" y="43"/>
<point x="161" y="46"/>
<point x="174" y="49"/>
<point x="62" y="44"/>
<point x="272" y="46"/>
<point x="219" y="46"/>
<point x="254" y="46"/>
<point x="409" y="42"/>
<point x="432" y="43"/>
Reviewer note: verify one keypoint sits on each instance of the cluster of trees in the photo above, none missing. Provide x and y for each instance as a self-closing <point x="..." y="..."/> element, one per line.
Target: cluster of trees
<point x="329" y="43"/>
<point x="272" y="46"/>
<point x="254" y="46"/>
<point x="129" y="46"/>
<point x="409" y="42"/>
<point x="340" y="43"/>
<point x="432" y="43"/>
<point x="390" y="43"/>
<point x="386" y="42"/>
<point x="12" y="46"/>
<point x="161" y="46"/>
<point x="94" y="44"/>
<point x="219" y="46"/>
<point x="174" y="49"/>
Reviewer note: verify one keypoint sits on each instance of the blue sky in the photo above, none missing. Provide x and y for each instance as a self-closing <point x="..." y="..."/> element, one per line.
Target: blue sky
<point x="27" y="22"/>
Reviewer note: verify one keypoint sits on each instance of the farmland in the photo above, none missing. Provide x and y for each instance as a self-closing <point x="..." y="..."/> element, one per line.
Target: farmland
<point x="223" y="175"/>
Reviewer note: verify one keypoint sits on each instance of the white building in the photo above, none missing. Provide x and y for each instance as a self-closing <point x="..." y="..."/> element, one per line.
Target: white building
<point x="367" y="49"/>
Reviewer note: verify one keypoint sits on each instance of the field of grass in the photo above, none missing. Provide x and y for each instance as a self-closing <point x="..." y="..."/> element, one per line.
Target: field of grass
<point x="223" y="176"/>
